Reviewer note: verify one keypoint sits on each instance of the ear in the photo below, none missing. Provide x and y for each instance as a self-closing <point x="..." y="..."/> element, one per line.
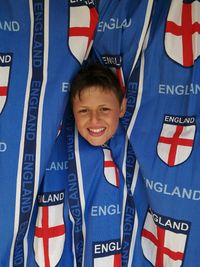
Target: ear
<point x="123" y="107"/>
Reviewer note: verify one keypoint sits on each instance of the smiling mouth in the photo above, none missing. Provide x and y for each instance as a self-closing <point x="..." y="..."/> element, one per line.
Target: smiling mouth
<point x="96" y="132"/>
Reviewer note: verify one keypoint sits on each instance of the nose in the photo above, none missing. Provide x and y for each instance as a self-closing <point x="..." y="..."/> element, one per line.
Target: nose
<point x="94" y="116"/>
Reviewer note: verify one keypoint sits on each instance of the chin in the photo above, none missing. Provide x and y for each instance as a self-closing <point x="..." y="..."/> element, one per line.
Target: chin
<point x="97" y="142"/>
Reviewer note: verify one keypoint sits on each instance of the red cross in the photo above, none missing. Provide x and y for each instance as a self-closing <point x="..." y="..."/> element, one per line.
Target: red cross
<point x="120" y="77"/>
<point x="111" y="164"/>
<point x="3" y="90"/>
<point x="186" y="30"/>
<point x="161" y="249"/>
<point x="117" y="260"/>
<point x="175" y="141"/>
<point x="86" y="31"/>
<point x="47" y="232"/>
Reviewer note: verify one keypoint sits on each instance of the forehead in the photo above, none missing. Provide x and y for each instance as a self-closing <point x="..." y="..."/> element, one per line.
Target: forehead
<point x="96" y="93"/>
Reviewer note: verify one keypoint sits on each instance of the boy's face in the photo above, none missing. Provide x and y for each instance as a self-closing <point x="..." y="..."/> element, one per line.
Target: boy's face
<point x="97" y="114"/>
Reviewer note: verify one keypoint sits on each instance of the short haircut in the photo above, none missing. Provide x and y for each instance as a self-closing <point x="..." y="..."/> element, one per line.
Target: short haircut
<point x="96" y="75"/>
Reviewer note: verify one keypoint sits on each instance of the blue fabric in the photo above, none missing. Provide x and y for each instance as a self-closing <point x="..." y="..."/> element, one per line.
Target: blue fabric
<point x="58" y="206"/>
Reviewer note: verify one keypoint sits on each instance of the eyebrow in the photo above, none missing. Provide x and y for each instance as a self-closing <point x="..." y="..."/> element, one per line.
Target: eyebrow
<point x="103" y="104"/>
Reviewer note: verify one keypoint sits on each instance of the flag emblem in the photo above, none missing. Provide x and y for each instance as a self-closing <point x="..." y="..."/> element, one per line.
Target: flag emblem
<point x="82" y="24"/>
<point x="115" y="64"/>
<point x="5" y="66"/>
<point x="120" y="75"/>
<point x="182" y="33"/>
<point x="49" y="234"/>
<point x="176" y="139"/>
<point x="107" y="254"/>
<point x="164" y="240"/>
<point x="110" y="168"/>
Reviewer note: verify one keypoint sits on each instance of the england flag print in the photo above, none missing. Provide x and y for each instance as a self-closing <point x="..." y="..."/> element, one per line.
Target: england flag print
<point x="107" y="254"/>
<point x="50" y="229"/>
<point x="164" y="240"/>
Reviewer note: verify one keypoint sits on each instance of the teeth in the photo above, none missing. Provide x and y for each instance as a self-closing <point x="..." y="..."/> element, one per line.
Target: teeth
<point x="97" y="130"/>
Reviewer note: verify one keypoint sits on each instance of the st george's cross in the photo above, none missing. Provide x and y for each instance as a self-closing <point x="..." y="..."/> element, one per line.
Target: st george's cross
<point x="49" y="234"/>
<point x="5" y="67"/>
<point x="83" y="19"/>
<point x="107" y="254"/>
<point x="176" y="139"/>
<point x="110" y="168"/>
<point x="182" y="33"/>
<point x="164" y="240"/>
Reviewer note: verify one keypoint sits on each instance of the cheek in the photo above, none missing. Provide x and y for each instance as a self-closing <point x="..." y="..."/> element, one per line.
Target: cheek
<point x="113" y="122"/>
<point x="116" y="117"/>
<point x="78" y="119"/>
<point x="79" y="122"/>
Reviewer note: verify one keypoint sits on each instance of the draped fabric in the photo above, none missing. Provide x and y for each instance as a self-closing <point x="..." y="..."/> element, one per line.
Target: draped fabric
<point x="132" y="202"/>
<point x="164" y="132"/>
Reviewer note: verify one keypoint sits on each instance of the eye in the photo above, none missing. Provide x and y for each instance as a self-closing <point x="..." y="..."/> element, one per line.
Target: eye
<point x="104" y="109"/>
<point x="83" y="111"/>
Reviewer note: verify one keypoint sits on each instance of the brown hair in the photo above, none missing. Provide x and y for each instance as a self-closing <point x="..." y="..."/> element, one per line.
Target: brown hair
<point x="95" y="75"/>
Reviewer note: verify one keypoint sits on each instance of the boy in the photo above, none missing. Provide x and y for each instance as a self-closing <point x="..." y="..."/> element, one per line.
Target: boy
<point x="92" y="187"/>
<point x="97" y="103"/>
